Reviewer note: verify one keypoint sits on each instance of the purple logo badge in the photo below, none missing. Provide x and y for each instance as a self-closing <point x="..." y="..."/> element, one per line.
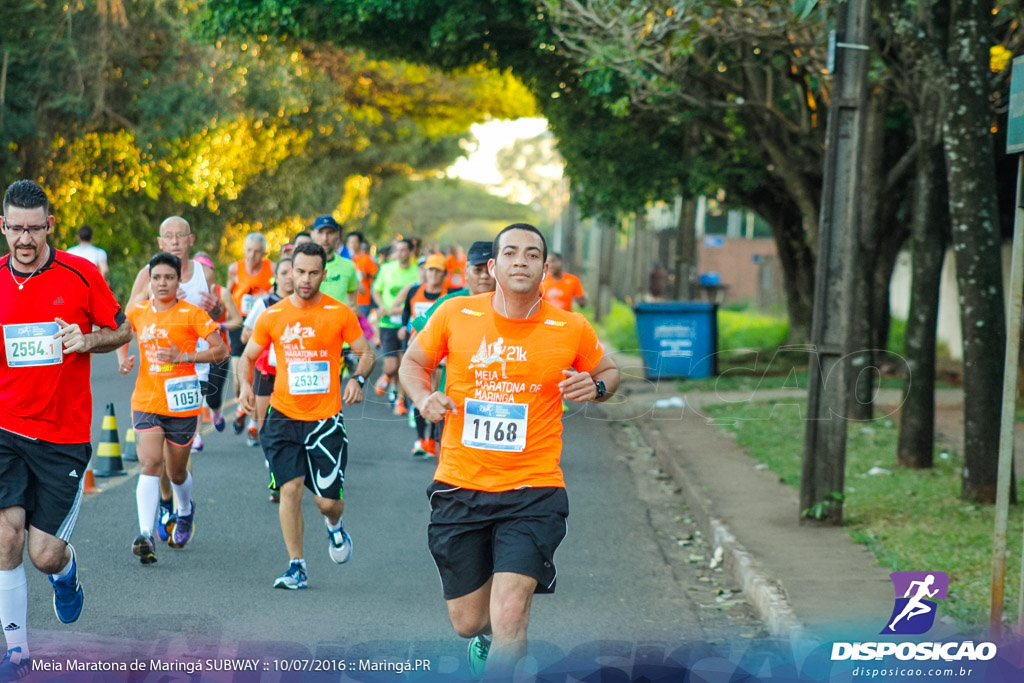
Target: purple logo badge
<point x="916" y="596"/>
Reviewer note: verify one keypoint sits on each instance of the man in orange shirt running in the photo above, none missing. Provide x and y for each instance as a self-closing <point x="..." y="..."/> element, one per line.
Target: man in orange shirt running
<point x="167" y="398"/>
<point x="562" y="288"/>
<point x="303" y="435"/>
<point x="498" y="502"/>
<point x="249" y="280"/>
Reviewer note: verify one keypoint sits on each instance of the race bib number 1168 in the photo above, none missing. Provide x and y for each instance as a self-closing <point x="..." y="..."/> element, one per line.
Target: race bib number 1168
<point x="495" y="426"/>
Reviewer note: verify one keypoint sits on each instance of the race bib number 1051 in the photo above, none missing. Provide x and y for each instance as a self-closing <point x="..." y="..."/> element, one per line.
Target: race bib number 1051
<point x="494" y="426"/>
<point x="183" y="394"/>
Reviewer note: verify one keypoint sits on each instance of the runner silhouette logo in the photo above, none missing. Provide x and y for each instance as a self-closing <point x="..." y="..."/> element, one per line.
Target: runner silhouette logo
<point x="917" y="594"/>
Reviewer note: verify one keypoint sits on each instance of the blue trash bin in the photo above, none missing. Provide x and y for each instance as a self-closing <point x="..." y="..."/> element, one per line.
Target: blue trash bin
<point x="678" y="338"/>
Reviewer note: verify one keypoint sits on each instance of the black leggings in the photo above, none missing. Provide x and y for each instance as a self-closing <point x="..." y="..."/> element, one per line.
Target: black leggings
<point x="218" y="377"/>
<point x="422" y="425"/>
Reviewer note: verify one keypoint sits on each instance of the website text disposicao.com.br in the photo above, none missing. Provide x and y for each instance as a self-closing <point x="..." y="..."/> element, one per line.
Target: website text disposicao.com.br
<point x="950" y="660"/>
<point x="904" y="672"/>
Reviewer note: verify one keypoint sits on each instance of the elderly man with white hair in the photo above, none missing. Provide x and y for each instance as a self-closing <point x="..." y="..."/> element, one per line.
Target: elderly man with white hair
<point x="249" y="279"/>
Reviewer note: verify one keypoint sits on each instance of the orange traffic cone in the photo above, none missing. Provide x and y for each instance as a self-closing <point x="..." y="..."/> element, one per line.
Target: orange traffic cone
<point x="90" y="483"/>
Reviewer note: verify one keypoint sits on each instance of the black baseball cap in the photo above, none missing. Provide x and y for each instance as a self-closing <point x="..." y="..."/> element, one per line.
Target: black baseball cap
<point x="479" y="252"/>
<point x="326" y="222"/>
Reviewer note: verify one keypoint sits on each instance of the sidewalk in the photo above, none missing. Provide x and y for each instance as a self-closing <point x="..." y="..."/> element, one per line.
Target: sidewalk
<point x="804" y="581"/>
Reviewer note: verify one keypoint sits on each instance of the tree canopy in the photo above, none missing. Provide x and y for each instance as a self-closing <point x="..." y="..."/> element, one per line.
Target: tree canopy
<point x="126" y="116"/>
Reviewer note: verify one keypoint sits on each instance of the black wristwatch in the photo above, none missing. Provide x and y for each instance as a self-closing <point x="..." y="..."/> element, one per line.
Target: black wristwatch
<point x="360" y="379"/>
<point x="602" y="390"/>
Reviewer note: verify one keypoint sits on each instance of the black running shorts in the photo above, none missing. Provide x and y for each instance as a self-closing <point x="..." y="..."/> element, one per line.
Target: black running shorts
<point x="473" y="534"/>
<point x="262" y="383"/>
<point x="390" y="344"/>
<point x="317" y="451"/>
<point x="235" y="342"/>
<point x="44" y="478"/>
<point x="179" y="431"/>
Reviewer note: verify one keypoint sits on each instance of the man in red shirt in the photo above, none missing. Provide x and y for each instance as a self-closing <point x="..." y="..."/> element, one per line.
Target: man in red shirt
<point x="562" y="288"/>
<point x="55" y="310"/>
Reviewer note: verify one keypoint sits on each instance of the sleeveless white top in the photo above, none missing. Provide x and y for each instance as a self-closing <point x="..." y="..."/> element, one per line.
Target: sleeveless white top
<point x="194" y="290"/>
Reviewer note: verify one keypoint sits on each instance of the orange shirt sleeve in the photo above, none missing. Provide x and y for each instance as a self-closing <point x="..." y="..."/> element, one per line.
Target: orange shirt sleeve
<point x="203" y="323"/>
<point x="578" y="288"/>
<point x="350" y="328"/>
<point x="588" y="352"/>
<point x="433" y="338"/>
<point x="261" y="332"/>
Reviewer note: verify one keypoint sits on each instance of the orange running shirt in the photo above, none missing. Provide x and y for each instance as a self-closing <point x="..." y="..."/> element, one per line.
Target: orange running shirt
<point x="167" y="388"/>
<point x="367" y="268"/>
<point x="561" y="292"/>
<point x="307" y="344"/>
<point x="503" y="375"/>
<point x="456" y="272"/>
<point x="245" y="289"/>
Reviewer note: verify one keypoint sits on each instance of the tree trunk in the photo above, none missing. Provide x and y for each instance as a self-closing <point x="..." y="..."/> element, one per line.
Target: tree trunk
<point x="603" y="300"/>
<point x="641" y="258"/>
<point x="570" y="226"/>
<point x="686" y="250"/>
<point x="862" y="366"/>
<point x="970" y="168"/>
<point x="795" y="257"/>
<point x="930" y="233"/>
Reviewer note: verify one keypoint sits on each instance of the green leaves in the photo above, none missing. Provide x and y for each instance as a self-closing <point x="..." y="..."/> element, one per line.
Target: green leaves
<point x="803" y="8"/>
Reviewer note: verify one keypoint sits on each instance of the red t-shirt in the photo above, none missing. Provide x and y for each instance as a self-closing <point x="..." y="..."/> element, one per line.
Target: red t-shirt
<point x="45" y="394"/>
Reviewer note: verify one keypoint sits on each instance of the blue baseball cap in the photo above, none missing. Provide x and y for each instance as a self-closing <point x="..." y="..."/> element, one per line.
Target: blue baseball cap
<point x="326" y="222"/>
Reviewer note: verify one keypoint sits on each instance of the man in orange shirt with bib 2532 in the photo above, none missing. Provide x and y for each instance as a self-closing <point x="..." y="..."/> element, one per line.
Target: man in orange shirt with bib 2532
<point x="303" y="436"/>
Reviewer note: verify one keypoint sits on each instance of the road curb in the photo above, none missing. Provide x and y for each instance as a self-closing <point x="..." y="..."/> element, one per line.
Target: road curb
<point x="761" y="590"/>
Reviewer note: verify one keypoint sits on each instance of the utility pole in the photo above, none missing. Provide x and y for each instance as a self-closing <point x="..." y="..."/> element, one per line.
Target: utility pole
<point x="824" y="461"/>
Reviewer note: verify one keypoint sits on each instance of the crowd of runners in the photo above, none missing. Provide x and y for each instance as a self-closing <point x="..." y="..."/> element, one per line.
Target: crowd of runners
<point x="479" y="348"/>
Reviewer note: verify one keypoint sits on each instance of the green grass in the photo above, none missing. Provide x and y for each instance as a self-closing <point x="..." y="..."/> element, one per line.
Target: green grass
<point x="743" y="330"/>
<point x="912" y="520"/>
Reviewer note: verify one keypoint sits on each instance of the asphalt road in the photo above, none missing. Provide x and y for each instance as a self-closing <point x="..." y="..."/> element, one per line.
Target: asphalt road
<point x="624" y="578"/>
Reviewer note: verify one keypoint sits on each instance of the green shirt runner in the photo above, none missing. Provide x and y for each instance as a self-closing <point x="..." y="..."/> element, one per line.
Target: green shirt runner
<point x="391" y="280"/>
<point x="341" y="279"/>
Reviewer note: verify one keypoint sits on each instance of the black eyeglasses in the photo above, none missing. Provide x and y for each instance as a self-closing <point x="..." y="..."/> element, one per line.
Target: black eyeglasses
<point x="32" y="230"/>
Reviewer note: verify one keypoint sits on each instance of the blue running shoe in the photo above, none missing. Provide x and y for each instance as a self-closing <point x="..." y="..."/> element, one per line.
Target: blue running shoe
<point x="183" y="527"/>
<point x="165" y="526"/>
<point x="294" y="578"/>
<point x="67" y="594"/>
<point x="11" y="670"/>
<point x="218" y="420"/>
<point x="339" y="545"/>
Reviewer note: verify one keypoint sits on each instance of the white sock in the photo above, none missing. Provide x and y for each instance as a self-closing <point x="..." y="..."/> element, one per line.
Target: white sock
<point x="147" y="500"/>
<point x="183" y="492"/>
<point x="67" y="568"/>
<point x="332" y="527"/>
<point x="14" y="608"/>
